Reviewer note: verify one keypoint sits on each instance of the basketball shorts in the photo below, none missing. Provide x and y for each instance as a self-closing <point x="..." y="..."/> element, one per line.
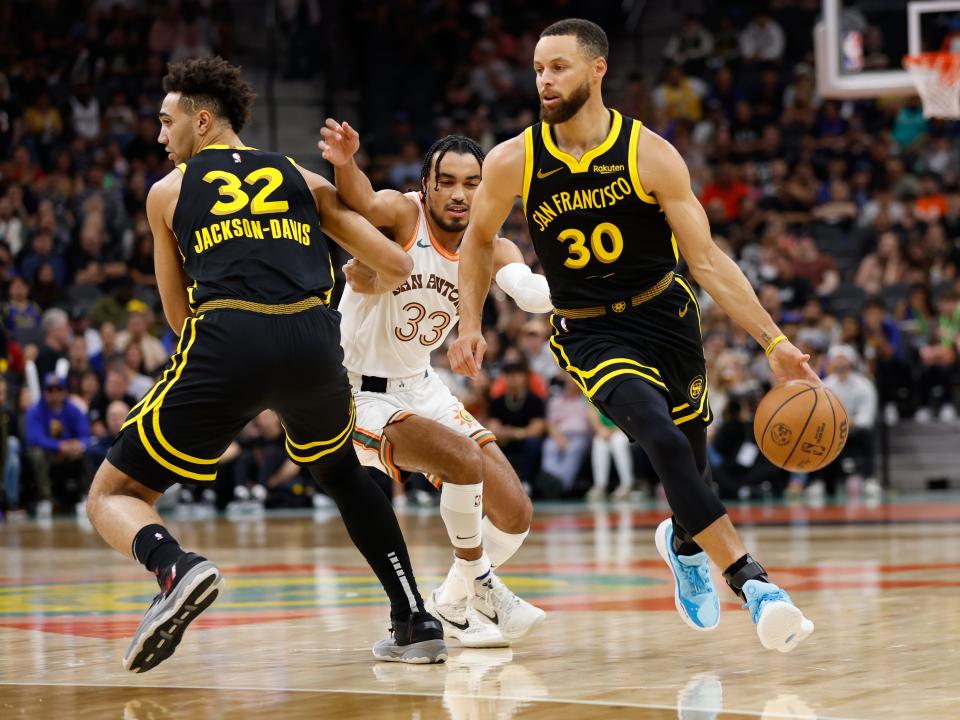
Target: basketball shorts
<point x="229" y="366"/>
<point x="658" y="341"/>
<point x="425" y="396"/>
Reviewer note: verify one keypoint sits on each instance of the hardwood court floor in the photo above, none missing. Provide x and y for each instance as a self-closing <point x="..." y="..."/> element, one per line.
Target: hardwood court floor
<point x="290" y="639"/>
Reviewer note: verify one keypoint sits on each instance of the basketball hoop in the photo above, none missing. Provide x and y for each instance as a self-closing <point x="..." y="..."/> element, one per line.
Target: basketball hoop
<point x="937" y="77"/>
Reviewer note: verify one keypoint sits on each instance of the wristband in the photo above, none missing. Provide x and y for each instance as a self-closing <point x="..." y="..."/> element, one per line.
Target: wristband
<point x="773" y="343"/>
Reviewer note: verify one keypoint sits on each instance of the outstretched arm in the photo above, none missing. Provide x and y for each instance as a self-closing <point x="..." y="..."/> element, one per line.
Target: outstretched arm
<point x="172" y="281"/>
<point x="502" y="183"/>
<point x="385" y="208"/>
<point x="668" y="180"/>
<point x="357" y="236"/>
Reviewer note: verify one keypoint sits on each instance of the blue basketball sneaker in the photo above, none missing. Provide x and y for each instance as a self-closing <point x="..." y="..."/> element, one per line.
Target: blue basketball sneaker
<point x="694" y="594"/>
<point x="780" y="624"/>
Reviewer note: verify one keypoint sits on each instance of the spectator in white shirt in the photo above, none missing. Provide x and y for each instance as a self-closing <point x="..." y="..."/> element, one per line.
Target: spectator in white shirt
<point x="762" y="39"/>
<point x="859" y="397"/>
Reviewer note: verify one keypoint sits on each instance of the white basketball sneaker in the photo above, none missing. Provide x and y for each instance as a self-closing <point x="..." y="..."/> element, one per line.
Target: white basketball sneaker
<point x="780" y="624"/>
<point x="514" y="616"/>
<point x="461" y="622"/>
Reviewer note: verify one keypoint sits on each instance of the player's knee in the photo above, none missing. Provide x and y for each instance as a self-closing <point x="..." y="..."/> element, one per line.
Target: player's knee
<point x="664" y="441"/>
<point x="520" y="515"/>
<point x="465" y="465"/>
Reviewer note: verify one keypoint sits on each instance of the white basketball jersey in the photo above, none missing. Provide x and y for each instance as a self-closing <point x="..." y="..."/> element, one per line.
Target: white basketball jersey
<point x="392" y="334"/>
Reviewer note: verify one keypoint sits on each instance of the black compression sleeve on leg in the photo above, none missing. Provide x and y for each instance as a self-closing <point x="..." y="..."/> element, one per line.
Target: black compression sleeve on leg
<point x="373" y="527"/>
<point x="641" y="411"/>
<point x="696" y="434"/>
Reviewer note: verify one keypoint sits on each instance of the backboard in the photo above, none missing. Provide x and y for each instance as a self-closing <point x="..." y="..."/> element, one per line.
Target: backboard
<point x="860" y="44"/>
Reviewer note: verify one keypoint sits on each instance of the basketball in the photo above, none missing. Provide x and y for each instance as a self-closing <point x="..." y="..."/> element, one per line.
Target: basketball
<point x="800" y="426"/>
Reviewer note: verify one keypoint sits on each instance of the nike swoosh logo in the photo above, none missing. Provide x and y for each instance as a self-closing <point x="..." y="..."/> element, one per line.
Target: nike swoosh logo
<point x="468" y="536"/>
<point x="541" y="174"/>
<point x="459" y="626"/>
<point x="682" y="313"/>
<point x="420" y="244"/>
<point x="495" y="619"/>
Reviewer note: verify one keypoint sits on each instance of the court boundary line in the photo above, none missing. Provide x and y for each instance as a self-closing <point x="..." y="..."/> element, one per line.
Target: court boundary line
<point x="485" y="696"/>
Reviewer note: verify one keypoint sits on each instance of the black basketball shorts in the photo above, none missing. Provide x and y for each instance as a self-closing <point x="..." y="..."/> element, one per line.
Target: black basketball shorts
<point x="658" y="341"/>
<point x="230" y="365"/>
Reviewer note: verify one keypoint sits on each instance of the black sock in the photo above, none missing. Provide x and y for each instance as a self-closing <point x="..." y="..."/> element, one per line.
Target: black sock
<point x="683" y="543"/>
<point x="746" y="568"/>
<point x="155" y="548"/>
<point x="372" y="525"/>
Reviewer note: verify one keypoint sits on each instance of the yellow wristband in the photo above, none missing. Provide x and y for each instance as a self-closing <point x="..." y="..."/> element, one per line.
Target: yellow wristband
<point x="773" y="343"/>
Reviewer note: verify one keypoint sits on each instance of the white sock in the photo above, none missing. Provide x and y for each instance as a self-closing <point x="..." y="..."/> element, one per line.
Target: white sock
<point x="461" y="507"/>
<point x="499" y="545"/>
<point x="458" y="584"/>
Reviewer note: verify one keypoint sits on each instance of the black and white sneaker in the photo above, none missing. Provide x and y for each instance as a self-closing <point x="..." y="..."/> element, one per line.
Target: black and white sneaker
<point x="188" y="587"/>
<point x="416" y="639"/>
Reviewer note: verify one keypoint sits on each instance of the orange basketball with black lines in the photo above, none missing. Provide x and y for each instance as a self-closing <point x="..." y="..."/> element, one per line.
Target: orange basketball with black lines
<point x="801" y="426"/>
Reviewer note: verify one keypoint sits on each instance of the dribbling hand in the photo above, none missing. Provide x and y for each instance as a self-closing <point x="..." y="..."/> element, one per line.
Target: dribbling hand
<point x="466" y="354"/>
<point x="788" y="363"/>
<point x="340" y="142"/>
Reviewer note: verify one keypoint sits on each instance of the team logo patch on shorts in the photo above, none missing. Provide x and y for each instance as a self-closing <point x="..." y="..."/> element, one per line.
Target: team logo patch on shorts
<point x="465" y="418"/>
<point x="695" y="390"/>
<point x="619" y="307"/>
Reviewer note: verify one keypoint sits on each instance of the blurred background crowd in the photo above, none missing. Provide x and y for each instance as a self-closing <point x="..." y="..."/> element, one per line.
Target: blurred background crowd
<point x="845" y="216"/>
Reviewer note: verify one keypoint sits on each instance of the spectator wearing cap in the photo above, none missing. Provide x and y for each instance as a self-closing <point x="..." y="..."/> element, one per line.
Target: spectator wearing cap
<point x="57" y="438"/>
<point x="859" y="397"/>
<point x="154" y="356"/>
<point x="517" y="418"/>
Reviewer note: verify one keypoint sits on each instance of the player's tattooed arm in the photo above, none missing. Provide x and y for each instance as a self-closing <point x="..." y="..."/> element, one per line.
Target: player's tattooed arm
<point x="387" y="209"/>
<point x="172" y="281"/>
<point x="664" y="175"/>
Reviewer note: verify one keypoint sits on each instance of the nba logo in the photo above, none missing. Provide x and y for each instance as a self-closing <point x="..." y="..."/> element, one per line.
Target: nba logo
<point x="236" y="157"/>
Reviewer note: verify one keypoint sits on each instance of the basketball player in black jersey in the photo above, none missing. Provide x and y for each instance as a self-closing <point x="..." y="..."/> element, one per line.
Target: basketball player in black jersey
<point x="610" y="210"/>
<point x="245" y="279"/>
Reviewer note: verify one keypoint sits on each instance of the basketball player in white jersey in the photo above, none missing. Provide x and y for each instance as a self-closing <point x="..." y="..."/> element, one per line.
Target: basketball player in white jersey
<point x="407" y="419"/>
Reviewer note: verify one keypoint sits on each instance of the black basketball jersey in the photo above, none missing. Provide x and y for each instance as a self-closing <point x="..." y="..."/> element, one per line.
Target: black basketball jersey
<point x="248" y="228"/>
<point x="599" y="236"/>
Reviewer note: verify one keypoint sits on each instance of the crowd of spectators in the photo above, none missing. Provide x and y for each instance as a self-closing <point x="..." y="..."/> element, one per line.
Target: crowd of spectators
<point x="845" y="216"/>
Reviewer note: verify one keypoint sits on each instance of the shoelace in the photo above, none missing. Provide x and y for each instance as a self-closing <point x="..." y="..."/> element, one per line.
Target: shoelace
<point x="496" y="594"/>
<point x="696" y="577"/>
<point x="755" y="605"/>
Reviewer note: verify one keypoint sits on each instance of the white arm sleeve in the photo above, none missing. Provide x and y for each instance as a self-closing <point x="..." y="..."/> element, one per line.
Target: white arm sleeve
<point x="530" y="291"/>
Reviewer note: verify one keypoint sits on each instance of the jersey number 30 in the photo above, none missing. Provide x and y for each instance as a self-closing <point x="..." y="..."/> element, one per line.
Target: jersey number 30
<point x="238" y="198"/>
<point x="579" y="254"/>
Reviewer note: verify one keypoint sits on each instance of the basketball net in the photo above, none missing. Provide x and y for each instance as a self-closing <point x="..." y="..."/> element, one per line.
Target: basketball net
<point x="937" y="78"/>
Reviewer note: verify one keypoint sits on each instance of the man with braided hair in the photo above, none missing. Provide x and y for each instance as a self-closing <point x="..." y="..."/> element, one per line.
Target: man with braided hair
<point x="407" y="419"/>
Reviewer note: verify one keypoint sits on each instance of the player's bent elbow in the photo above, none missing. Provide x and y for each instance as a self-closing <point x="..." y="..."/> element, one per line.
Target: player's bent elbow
<point x="399" y="271"/>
